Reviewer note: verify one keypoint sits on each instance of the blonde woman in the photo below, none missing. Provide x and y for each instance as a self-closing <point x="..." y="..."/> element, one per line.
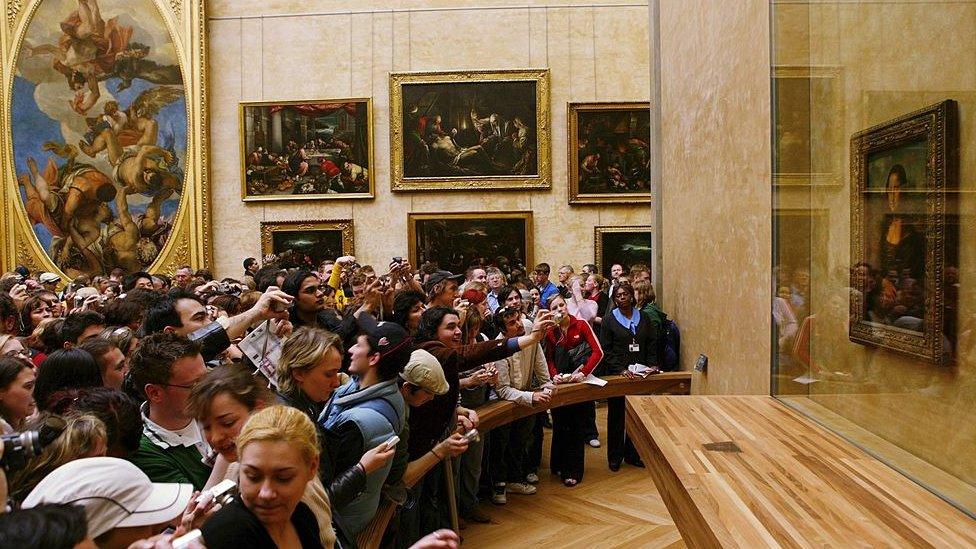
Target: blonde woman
<point x="278" y="451"/>
<point x="222" y="402"/>
<point x="83" y="436"/>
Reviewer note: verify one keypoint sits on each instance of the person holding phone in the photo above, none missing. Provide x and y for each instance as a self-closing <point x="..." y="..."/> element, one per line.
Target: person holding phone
<point x="572" y="353"/>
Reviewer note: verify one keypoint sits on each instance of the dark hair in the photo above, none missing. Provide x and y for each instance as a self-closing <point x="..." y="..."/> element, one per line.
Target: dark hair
<point x="430" y="321"/>
<point x="402" y="303"/>
<point x="246" y="388"/>
<point x="98" y="347"/>
<point x="267" y="276"/>
<point x="152" y="361"/>
<point x="9" y="370"/>
<point x="167" y="281"/>
<point x="542" y="268"/>
<point x="293" y="282"/>
<point x="162" y="312"/>
<point x="900" y="171"/>
<point x="129" y="282"/>
<point x="502" y="314"/>
<point x="229" y="303"/>
<point x="504" y="292"/>
<point x="552" y="298"/>
<point x="65" y="369"/>
<point x="119" y="413"/>
<point x="48" y="525"/>
<point x="141" y="296"/>
<point x="7" y="307"/>
<point x="248" y="262"/>
<point x="122" y="312"/>
<point x="30" y="305"/>
<point x="204" y="274"/>
<point x="626" y="287"/>
<point x="76" y="323"/>
<point x="51" y="335"/>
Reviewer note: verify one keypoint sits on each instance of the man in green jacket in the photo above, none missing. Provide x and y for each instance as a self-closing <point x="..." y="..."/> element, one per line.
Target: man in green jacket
<point x="164" y="368"/>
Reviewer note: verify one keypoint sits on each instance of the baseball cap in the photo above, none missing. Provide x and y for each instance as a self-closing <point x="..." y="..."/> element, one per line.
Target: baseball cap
<point x="439" y="276"/>
<point x="114" y="493"/>
<point x="389" y="339"/>
<point x="48" y="278"/>
<point x="424" y="371"/>
<point x="474" y="296"/>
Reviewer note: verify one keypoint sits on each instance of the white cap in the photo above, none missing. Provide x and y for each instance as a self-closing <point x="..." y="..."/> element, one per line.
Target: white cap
<point x="114" y="493"/>
<point x="48" y="278"/>
<point x="424" y="371"/>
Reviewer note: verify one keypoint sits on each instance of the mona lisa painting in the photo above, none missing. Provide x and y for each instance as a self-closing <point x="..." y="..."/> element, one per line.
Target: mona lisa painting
<point x="904" y="245"/>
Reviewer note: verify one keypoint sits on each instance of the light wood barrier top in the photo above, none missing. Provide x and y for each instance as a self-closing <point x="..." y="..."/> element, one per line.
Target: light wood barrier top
<point x="751" y="472"/>
<point x="501" y="412"/>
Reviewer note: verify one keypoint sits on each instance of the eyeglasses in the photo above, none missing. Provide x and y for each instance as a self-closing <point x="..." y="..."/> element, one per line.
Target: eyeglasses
<point x="13" y="353"/>
<point x="324" y="288"/>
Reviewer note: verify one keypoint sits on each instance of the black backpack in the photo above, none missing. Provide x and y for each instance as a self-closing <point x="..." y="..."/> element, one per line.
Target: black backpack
<point x="669" y="345"/>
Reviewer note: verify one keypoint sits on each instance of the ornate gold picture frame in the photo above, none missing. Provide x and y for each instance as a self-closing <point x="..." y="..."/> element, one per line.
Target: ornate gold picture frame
<point x="904" y="234"/>
<point x="307" y="243"/>
<point x="103" y="145"/>
<point x="628" y="246"/>
<point x="609" y="153"/>
<point x="470" y="130"/>
<point x="456" y="241"/>
<point x="306" y="150"/>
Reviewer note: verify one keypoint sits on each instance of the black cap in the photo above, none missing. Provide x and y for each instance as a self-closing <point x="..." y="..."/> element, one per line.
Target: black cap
<point x="439" y="276"/>
<point x="389" y="339"/>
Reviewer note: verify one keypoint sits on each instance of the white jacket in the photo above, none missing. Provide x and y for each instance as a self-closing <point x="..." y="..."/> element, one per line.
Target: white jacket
<point x="517" y="373"/>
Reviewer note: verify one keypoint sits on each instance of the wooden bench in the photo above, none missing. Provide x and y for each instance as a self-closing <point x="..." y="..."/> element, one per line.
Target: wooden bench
<point x="748" y="471"/>
<point x="501" y="412"/>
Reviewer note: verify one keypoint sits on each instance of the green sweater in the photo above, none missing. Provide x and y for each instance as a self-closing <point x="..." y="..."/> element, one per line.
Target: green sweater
<point x="171" y="464"/>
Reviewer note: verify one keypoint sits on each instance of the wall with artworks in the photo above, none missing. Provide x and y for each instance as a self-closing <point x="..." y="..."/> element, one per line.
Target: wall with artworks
<point x="261" y="50"/>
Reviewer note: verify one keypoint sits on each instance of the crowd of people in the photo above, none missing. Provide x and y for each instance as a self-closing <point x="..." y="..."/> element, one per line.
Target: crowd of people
<point x="282" y="407"/>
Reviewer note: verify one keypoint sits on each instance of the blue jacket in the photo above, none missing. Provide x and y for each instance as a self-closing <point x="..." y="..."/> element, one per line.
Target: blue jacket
<point x="378" y="412"/>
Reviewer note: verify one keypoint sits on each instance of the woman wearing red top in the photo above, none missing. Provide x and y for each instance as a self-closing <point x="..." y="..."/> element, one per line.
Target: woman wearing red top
<point x="572" y="352"/>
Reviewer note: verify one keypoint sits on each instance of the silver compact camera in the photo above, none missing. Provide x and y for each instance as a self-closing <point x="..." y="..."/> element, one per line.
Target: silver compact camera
<point x="472" y="436"/>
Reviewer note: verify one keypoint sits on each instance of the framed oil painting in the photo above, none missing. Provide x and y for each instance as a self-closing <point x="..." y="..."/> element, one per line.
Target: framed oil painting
<point x="304" y="150"/>
<point x="609" y="153"/>
<point x="104" y="108"/>
<point x="624" y="245"/>
<point x="904" y="239"/>
<point x="455" y="241"/>
<point x="470" y="130"/>
<point x="306" y="244"/>
<point x="808" y="114"/>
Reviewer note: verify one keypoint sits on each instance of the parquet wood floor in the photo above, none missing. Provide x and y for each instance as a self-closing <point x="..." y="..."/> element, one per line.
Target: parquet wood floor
<point x="607" y="509"/>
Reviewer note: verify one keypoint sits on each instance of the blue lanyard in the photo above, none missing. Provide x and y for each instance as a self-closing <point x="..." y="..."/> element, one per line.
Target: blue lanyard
<point x="631" y="323"/>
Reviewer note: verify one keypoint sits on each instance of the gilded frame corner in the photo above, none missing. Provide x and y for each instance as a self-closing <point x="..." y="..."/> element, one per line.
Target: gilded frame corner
<point x="190" y="239"/>
<point x="344" y="226"/>
<point x="600" y="231"/>
<point x="937" y="127"/>
<point x="573" y="110"/>
<point x="370" y="194"/>
<point x="543" y="126"/>
<point x="526" y="216"/>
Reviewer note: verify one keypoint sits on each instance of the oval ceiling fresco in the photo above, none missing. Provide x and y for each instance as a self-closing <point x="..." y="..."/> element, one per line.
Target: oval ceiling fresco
<point x="99" y="132"/>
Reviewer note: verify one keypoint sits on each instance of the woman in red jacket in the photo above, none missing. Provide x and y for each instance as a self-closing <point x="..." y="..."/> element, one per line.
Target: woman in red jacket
<point x="572" y="352"/>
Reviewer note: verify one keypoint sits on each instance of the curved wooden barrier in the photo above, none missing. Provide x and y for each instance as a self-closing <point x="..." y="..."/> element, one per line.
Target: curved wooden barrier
<point x="501" y="412"/>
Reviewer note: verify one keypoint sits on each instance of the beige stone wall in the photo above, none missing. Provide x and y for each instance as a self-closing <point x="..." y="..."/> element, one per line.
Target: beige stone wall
<point x="716" y="198"/>
<point x="262" y="50"/>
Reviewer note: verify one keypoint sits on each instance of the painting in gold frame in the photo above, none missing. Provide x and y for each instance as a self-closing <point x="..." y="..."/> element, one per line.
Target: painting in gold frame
<point x="470" y="130"/>
<point x="904" y="234"/>
<point x="306" y="244"/>
<point x="306" y="150"/>
<point x="609" y="153"/>
<point x="455" y="241"/>
<point x="627" y="246"/>
<point x="78" y="135"/>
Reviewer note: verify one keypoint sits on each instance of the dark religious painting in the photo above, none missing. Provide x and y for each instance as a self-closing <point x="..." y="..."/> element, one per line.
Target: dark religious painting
<point x="624" y="245"/>
<point x="609" y="153"/>
<point x="306" y="243"/>
<point x="472" y="130"/>
<point x="456" y="241"/>
<point x="306" y="150"/>
<point x="904" y="242"/>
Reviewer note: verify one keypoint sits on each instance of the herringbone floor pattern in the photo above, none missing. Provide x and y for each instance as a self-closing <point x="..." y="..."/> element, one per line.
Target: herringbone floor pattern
<point x="607" y="509"/>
